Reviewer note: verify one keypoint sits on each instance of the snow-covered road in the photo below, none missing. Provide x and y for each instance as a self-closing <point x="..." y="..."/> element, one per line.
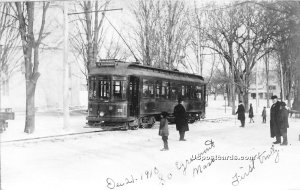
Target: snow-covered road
<point x="133" y="160"/>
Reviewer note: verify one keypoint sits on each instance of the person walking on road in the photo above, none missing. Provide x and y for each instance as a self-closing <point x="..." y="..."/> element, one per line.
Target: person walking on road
<point x="164" y="130"/>
<point x="251" y="115"/>
<point x="283" y="122"/>
<point x="264" y="115"/>
<point x="181" y="119"/>
<point x="274" y="120"/>
<point x="241" y="113"/>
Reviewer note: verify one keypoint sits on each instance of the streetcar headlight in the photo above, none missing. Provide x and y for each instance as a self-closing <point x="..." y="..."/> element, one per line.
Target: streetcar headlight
<point x="101" y="114"/>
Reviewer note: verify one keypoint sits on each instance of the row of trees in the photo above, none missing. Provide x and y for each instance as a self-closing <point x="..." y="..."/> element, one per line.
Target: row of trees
<point x="23" y="25"/>
<point x="275" y="44"/>
<point x="171" y="35"/>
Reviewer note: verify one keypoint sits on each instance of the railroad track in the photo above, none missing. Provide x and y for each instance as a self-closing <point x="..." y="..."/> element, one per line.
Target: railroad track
<point x="51" y="137"/>
<point x="219" y="119"/>
<point x="61" y="136"/>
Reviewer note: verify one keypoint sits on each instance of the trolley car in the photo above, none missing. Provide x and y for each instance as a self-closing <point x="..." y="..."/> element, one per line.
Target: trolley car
<point x="130" y="95"/>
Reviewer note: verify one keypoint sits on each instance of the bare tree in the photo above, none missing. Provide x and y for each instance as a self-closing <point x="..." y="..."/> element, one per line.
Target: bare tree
<point x="88" y="37"/>
<point x="286" y="43"/>
<point x="148" y="16"/>
<point x="8" y="46"/>
<point x="221" y="31"/>
<point x="198" y="38"/>
<point x="256" y="31"/>
<point x="115" y="51"/>
<point x="25" y="13"/>
<point x="162" y="35"/>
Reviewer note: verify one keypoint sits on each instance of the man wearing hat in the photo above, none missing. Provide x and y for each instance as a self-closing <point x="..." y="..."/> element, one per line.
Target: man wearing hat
<point x="241" y="113"/>
<point x="274" y="120"/>
<point x="181" y="119"/>
<point x="283" y="122"/>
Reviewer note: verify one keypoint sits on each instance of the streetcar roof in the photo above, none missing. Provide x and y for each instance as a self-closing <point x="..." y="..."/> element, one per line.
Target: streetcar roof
<point x="120" y="68"/>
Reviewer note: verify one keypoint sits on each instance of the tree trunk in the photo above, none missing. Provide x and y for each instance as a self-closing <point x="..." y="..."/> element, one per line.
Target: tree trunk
<point x="215" y="95"/>
<point x="228" y="95"/>
<point x="233" y="92"/>
<point x="0" y="92"/>
<point x="246" y="100"/>
<point x="30" y="107"/>
<point x="297" y="96"/>
<point x="267" y="77"/>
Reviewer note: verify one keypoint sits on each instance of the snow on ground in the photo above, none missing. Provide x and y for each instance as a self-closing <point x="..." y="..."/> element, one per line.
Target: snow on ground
<point x="129" y="160"/>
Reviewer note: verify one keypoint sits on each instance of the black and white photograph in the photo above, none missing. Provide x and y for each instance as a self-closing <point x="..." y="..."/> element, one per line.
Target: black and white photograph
<point x="149" y="95"/>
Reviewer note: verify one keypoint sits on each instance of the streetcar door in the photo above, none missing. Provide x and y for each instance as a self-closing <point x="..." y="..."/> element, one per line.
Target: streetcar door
<point x="134" y="96"/>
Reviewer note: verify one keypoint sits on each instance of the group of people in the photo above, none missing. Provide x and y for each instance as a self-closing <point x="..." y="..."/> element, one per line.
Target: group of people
<point x="241" y="113"/>
<point x="278" y="119"/>
<point x="181" y="122"/>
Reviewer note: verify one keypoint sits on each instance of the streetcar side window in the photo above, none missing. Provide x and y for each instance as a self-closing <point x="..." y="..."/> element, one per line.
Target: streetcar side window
<point x="165" y="90"/>
<point x="148" y="88"/>
<point x="158" y="89"/>
<point x="198" y="92"/>
<point x="104" y="89"/>
<point x="183" y="91"/>
<point x="188" y="91"/>
<point x="173" y="91"/>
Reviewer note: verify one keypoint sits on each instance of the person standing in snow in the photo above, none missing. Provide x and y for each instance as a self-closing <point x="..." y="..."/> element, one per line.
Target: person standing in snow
<point x="283" y="122"/>
<point x="274" y="120"/>
<point x="251" y="115"/>
<point x="164" y="130"/>
<point x="264" y="115"/>
<point x="181" y="119"/>
<point x="241" y="113"/>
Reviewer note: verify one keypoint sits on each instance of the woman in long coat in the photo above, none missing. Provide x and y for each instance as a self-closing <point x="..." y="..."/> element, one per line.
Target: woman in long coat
<point x="181" y="119"/>
<point x="251" y="115"/>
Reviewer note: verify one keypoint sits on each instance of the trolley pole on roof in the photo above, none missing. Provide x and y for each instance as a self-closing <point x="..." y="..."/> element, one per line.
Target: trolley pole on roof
<point x="66" y="71"/>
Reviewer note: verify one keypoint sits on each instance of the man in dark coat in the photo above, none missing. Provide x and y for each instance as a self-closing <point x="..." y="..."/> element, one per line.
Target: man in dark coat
<point x="181" y="119"/>
<point x="241" y="114"/>
<point x="283" y="122"/>
<point x="274" y="120"/>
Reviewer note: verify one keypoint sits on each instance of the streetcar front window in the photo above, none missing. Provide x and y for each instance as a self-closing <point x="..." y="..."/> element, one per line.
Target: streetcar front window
<point x="119" y="91"/>
<point x="104" y="89"/>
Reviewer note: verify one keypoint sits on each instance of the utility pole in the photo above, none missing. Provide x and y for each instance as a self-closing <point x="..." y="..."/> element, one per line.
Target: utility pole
<point x="66" y="70"/>
<point x="281" y="81"/>
<point x="256" y="86"/>
<point x="0" y="77"/>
